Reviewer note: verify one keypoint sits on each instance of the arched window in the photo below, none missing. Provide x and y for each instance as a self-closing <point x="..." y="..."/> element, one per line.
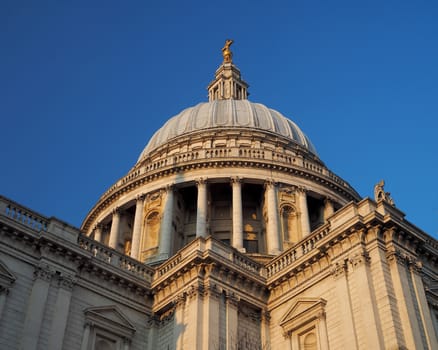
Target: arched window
<point x="310" y="341"/>
<point x="289" y="224"/>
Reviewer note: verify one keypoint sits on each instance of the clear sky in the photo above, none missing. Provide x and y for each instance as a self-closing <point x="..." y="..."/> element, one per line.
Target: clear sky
<point x="85" y="84"/>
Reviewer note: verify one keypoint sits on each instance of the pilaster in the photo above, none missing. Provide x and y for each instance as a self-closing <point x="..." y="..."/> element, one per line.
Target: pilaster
<point x="386" y="302"/>
<point x="36" y="305"/>
<point x="339" y="273"/>
<point x="415" y="268"/>
<point x="367" y="322"/>
<point x="60" y="314"/>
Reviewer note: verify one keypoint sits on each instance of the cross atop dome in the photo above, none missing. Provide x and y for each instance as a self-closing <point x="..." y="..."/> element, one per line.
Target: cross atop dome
<point x="228" y="84"/>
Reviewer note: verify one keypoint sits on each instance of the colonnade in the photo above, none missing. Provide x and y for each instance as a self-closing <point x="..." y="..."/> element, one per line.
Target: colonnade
<point x="273" y="230"/>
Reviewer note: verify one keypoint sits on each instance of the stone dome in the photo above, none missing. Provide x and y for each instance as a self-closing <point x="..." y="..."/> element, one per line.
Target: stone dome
<point x="228" y="114"/>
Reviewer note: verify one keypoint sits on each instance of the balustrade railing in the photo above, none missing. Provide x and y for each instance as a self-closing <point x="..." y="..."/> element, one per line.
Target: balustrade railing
<point x="301" y="249"/>
<point x="23" y="215"/>
<point x="110" y="256"/>
<point x="227" y="152"/>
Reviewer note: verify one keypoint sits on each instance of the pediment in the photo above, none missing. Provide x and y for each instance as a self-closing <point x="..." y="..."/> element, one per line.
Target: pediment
<point x="6" y="276"/>
<point x="303" y="311"/>
<point x="110" y="318"/>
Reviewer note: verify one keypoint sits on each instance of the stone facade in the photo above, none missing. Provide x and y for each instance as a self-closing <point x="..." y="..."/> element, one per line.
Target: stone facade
<point x="228" y="233"/>
<point x="365" y="279"/>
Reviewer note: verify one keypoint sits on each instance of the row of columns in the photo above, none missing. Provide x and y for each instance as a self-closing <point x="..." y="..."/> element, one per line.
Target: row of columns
<point x="272" y="227"/>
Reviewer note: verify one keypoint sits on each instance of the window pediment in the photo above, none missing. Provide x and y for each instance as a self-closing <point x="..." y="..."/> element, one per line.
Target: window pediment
<point x="111" y="319"/>
<point x="303" y="311"/>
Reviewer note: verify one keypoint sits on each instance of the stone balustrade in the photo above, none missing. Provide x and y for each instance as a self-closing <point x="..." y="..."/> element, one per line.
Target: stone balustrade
<point x="302" y="248"/>
<point x="23" y="215"/>
<point x="231" y="154"/>
<point x="202" y="245"/>
<point x="110" y="256"/>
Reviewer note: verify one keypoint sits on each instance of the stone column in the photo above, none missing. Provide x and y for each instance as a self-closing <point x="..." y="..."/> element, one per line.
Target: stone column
<point x="302" y="200"/>
<point x="236" y="184"/>
<point x="166" y="224"/>
<point x="328" y="208"/>
<point x="98" y="232"/>
<point x="138" y="227"/>
<point x="115" y="229"/>
<point x="60" y="313"/>
<point x="273" y="232"/>
<point x="36" y="306"/>
<point x="210" y="309"/>
<point x="201" y="214"/>
<point x="86" y="336"/>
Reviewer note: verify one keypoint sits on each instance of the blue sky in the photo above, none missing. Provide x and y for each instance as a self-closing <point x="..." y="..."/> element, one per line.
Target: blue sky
<point x="85" y="84"/>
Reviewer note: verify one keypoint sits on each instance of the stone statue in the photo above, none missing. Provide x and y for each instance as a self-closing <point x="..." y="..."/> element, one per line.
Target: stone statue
<point x="381" y="195"/>
<point x="226" y="52"/>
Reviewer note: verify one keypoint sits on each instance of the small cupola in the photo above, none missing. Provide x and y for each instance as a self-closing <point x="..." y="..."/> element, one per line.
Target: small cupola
<point x="228" y="84"/>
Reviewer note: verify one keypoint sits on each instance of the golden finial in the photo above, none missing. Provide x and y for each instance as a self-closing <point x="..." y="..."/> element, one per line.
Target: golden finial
<point x="226" y="52"/>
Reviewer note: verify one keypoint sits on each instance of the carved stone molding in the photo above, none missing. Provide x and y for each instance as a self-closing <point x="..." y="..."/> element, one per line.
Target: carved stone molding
<point x="116" y="211"/>
<point x="339" y="269"/>
<point x="270" y="183"/>
<point x="415" y="265"/>
<point x="359" y="259"/>
<point x="66" y="282"/>
<point x="232" y="300"/>
<point x="396" y="256"/>
<point x="43" y="273"/>
<point x="140" y="197"/>
<point x="201" y="181"/>
<point x="236" y="180"/>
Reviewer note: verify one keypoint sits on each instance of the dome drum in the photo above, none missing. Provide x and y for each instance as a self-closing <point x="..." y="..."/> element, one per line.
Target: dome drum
<point x="228" y="168"/>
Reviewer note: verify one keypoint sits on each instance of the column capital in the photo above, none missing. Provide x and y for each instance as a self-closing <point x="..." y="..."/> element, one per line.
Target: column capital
<point x="328" y="200"/>
<point x="140" y="197"/>
<point x="43" y="273"/>
<point x="98" y="226"/>
<point x="339" y="269"/>
<point x="170" y="187"/>
<point x="116" y="211"/>
<point x="201" y="181"/>
<point x="301" y="189"/>
<point x="66" y="282"/>
<point x="359" y="259"/>
<point x="236" y="180"/>
<point x="270" y="183"/>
